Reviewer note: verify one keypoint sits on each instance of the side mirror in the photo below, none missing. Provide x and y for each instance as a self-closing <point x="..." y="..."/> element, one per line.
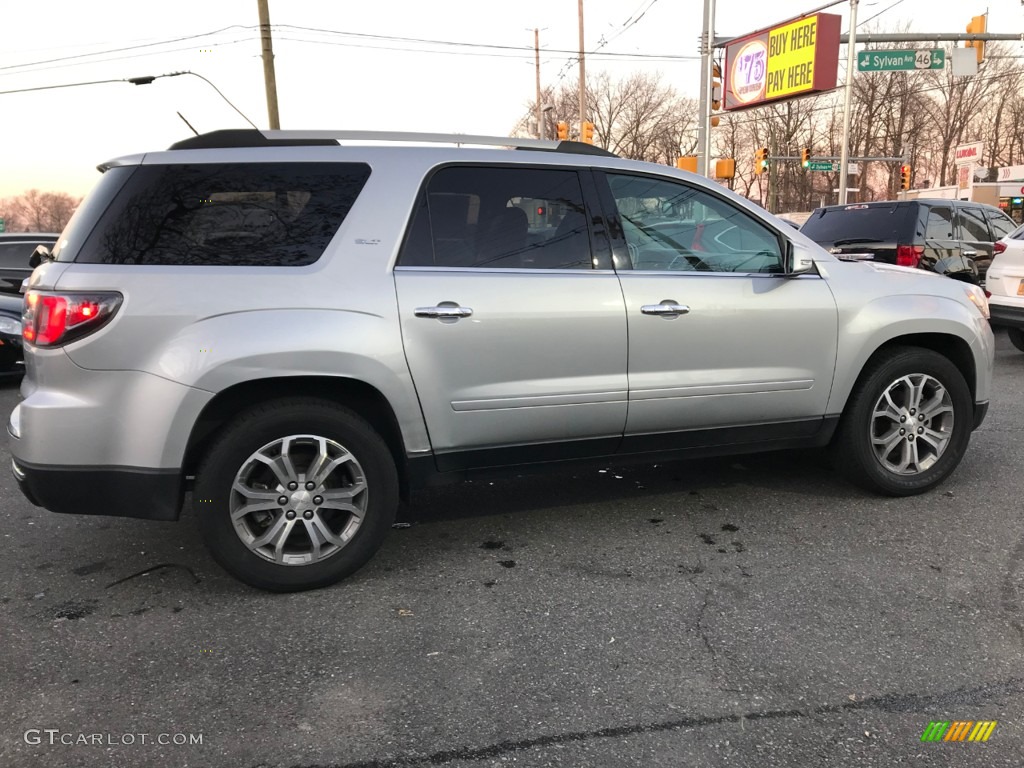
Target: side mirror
<point x="799" y="259"/>
<point x="39" y="255"/>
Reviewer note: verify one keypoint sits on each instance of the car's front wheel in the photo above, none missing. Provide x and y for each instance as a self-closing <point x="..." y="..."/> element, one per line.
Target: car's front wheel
<point x="907" y="423"/>
<point x="296" y="494"/>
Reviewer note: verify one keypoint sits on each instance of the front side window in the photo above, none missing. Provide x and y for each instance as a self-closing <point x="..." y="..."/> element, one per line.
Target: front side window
<point x="973" y="226"/>
<point x="241" y="214"/>
<point x="500" y="218"/>
<point x="672" y="226"/>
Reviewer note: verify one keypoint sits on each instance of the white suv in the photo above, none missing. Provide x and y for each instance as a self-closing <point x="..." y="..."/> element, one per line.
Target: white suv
<point x="300" y="331"/>
<point x="1005" y="286"/>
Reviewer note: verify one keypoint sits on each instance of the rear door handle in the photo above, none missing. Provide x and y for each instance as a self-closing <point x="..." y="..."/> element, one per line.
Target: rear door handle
<point x="667" y="308"/>
<point x="448" y="311"/>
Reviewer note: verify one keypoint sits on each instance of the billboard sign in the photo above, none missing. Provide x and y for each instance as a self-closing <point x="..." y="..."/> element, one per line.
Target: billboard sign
<point x="797" y="58"/>
<point x="970" y="154"/>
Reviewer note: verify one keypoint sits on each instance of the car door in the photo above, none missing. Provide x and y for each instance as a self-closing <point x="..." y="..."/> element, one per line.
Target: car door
<point x="718" y="337"/>
<point x="976" y="241"/>
<point x="512" y="317"/>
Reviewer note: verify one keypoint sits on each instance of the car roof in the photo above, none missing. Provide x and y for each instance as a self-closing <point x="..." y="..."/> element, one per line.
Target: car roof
<point x="19" y="237"/>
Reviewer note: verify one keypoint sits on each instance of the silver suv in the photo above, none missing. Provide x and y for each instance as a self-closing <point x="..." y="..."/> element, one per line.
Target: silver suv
<point x="300" y="330"/>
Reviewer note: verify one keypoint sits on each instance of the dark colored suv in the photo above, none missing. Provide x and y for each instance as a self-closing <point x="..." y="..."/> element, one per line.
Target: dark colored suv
<point x="16" y="249"/>
<point x="952" y="237"/>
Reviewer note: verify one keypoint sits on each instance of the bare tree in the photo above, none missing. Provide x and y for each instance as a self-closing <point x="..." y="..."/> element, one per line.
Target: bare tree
<point x="36" y="211"/>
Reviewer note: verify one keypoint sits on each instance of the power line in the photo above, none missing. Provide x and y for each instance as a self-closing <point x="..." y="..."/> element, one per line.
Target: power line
<point x="571" y="55"/>
<point x="884" y="10"/>
<point x="826" y="107"/>
<point x="126" y="48"/>
<point x="123" y="58"/>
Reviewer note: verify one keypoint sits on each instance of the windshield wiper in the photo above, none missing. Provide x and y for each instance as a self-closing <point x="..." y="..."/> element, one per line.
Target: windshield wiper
<point x="852" y="240"/>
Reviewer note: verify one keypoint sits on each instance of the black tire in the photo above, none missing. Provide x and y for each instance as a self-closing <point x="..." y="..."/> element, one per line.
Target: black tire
<point x="854" y="450"/>
<point x="371" y="467"/>
<point x="1016" y="337"/>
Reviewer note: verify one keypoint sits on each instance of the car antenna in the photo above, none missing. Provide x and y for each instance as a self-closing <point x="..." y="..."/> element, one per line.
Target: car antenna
<point x="188" y="124"/>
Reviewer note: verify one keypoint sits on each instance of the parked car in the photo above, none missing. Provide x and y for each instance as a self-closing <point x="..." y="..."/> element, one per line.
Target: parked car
<point x="951" y="237"/>
<point x="16" y="249"/>
<point x="10" y="334"/>
<point x="1005" y="286"/>
<point x="301" y="331"/>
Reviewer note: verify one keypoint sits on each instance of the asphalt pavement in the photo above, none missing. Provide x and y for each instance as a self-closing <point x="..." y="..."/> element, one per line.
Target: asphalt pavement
<point x="750" y="611"/>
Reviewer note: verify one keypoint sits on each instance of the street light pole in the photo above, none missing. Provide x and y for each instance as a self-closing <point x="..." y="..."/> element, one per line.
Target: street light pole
<point x="536" y="56"/>
<point x="844" y="157"/>
<point x="704" y="120"/>
<point x="583" y="74"/>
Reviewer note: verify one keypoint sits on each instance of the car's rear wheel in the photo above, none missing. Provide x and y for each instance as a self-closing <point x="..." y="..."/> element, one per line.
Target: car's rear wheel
<point x="296" y="494"/>
<point x="907" y="424"/>
<point x="1016" y="337"/>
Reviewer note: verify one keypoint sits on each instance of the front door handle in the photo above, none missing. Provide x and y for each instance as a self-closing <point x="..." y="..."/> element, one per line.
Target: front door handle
<point x="667" y="308"/>
<point x="442" y="312"/>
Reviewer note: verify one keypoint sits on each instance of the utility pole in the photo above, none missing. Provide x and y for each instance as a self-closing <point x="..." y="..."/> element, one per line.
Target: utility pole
<point x="540" y="109"/>
<point x="704" y="124"/>
<point x="844" y="157"/>
<point x="269" y="78"/>
<point x="583" y="74"/>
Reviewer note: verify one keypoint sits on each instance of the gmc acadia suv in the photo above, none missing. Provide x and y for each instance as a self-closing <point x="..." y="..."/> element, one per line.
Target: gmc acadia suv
<point x="300" y="330"/>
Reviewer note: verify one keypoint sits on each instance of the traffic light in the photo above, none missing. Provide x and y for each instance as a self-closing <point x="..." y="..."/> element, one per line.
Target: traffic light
<point x="587" y="132"/>
<point x="725" y="168"/>
<point x="687" y="163"/>
<point x="716" y="87"/>
<point x="761" y="159"/>
<point x="905" y="176"/>
<point x="563" y="130"/>
<point x="977" y="27"/>
<point x="805" y="156"/>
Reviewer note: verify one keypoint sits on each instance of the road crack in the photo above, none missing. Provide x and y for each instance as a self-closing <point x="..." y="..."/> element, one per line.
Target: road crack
<point x="889" y="702"/>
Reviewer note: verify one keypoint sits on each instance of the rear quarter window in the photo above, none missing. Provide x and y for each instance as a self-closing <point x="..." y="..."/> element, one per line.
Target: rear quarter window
<point x="240" y="214"/>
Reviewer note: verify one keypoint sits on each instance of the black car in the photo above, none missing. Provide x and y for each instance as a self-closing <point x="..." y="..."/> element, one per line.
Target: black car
<point x="11" y="354"/>
<point x="952" y="237"/>
<point x="16" y="248"/>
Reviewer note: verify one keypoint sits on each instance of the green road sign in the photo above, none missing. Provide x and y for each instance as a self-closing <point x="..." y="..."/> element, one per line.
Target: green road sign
<point x="822" y="165"/>
<point x="891" y="61"/>
<point x="3" y="226"/>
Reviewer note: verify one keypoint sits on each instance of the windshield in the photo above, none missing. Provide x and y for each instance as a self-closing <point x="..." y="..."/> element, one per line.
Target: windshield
<point x="876" y="223"/>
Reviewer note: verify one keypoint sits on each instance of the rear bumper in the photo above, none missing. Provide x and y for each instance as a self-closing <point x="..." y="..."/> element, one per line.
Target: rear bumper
<point x="115" y="491"/>
<point x="1006" y="315"/>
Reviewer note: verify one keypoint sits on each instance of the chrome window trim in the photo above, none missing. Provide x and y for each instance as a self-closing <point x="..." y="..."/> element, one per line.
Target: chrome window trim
<point x="506" y="270"/>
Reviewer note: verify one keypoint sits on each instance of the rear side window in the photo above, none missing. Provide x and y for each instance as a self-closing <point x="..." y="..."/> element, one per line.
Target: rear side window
<point x="500" y="218"/>
<point x="241" y="214"/>
<point x="939" y="223"/>
<point x="860" y="224"/>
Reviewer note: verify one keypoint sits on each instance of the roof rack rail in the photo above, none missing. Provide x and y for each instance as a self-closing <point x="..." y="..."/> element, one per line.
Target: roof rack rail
<point x="412" y="137"/>
<point x="575" y="147"/>
<point x="248" y="137"/>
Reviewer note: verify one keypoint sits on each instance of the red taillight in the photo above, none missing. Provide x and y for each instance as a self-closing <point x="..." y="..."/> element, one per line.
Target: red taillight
<point x="999" y="246"/>
<point x="908" y="255"/>
<point x="52" y="319"/>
